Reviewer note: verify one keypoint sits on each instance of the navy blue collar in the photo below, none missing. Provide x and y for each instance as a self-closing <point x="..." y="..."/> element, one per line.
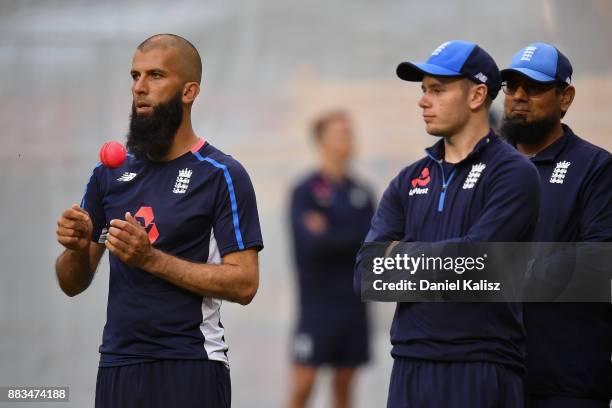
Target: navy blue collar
<point x="551" y="152"/>
<point x="436" y="152"/>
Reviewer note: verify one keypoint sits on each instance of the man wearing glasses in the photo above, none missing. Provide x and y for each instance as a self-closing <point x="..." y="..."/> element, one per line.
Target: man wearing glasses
<point x="568" y="344"/>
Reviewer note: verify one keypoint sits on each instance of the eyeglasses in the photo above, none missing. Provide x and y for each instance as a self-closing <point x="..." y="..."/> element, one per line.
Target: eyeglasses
<point x="531" y="88"/>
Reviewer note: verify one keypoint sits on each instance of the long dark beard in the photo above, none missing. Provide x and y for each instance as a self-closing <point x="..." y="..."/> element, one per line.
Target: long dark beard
<point x="151" y="136"/>
<point x="518" y="131"/>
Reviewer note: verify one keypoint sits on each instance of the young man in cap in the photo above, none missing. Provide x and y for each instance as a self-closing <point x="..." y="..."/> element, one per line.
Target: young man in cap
<point x="568" y="345"/>
<point x="330" y="216"/>
<point x="471" y="186"/>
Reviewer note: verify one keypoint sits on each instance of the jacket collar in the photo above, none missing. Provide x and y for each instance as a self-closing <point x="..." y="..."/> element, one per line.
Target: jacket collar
<point x="551" y="152"/>
<point x="436" y="152"/>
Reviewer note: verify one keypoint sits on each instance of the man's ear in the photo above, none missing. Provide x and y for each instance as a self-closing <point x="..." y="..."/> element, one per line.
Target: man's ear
<point x="191" y="90"/>
<point x="566" y="98"/>
<point x="478" y="96"/>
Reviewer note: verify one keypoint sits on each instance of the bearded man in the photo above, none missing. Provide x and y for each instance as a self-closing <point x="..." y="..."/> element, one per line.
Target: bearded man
<point x="180" y="221"/>
<point x="568" y="344"/>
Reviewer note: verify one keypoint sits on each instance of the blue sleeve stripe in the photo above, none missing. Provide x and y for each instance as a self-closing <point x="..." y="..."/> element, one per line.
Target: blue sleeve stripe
<point x="230" y="187"/>
<point x="85" y="190"/>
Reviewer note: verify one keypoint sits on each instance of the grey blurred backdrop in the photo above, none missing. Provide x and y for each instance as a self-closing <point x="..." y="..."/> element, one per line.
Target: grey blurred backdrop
<point x="269" y="67"/>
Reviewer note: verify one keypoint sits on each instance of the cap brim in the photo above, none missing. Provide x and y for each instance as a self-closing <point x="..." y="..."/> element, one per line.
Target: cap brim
<point x="411" y="71"/>
<point x="529" y="73"/>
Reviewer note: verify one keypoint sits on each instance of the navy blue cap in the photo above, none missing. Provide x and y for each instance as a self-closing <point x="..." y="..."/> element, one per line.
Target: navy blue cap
<point x="456" y="59"/>
<point x="541" y="62"/>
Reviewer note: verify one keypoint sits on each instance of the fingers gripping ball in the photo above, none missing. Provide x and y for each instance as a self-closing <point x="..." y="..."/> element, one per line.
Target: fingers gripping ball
<point x="112" y="154"/>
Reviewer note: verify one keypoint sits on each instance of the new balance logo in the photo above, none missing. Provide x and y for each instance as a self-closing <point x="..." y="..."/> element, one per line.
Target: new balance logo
<point x="127" y="176"/>
<point x="528" y="53"/>
<point x="441" y="48"/>
<point x="558" y="174"/>
<point x="481" y="77"/>
<point x="473" y="176"/>
<point x="182" y="181"/>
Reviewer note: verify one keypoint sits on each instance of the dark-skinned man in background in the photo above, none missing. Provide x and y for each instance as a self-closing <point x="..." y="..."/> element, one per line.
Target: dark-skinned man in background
<point x="568" y="344"/>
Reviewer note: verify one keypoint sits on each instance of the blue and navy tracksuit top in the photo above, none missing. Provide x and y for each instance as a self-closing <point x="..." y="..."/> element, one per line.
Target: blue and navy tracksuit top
<point x="199" y="207"/>
<point x="569" y="344"/>
<point x="491" y="195"/>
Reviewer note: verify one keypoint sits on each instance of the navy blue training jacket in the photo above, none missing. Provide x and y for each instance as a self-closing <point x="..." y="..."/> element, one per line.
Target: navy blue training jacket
<point x="491" y="195"/>
<point x="325" y="261"/>
<point x="569" y="344"/>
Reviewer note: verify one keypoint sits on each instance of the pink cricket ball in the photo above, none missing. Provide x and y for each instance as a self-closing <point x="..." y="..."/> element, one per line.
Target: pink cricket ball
<point x="112" y="154"/>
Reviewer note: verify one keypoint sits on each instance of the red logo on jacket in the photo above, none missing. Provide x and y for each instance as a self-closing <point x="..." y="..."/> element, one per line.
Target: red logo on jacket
<point x="423" y="179"/>
<point x="146" y="213"/>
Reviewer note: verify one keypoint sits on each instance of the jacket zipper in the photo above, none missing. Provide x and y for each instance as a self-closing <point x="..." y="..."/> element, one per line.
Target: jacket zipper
<point x="445" y="182"/>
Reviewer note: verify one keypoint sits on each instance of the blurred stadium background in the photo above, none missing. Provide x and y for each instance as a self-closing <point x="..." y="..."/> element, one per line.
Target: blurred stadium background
<point x="269" y="67"/>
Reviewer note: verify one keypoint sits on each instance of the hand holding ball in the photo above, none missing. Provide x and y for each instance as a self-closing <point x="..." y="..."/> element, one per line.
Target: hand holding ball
<point x="112" y="154"/>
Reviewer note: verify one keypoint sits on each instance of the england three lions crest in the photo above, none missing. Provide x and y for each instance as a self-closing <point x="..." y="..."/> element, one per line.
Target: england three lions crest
<point x="558" y="174"/>
<point x="182" y="181"/>
<point x="473" y="176"/>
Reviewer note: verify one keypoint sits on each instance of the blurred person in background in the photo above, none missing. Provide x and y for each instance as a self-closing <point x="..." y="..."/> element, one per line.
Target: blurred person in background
<point x="569" y="345"/>
<point x="180" y="222"/>
<point x="330" y="216"/>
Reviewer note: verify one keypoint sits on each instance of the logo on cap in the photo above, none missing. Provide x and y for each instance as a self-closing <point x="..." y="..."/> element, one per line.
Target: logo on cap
<point x="528" y="53"/>
<point x="481" y="77"/>
<point x="540" y="62"/>
<point x="441" y="48"/>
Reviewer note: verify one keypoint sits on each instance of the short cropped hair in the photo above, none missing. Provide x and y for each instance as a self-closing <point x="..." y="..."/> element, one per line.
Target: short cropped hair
<point x="320" y="124"/>
<point x="190" y="57"/>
